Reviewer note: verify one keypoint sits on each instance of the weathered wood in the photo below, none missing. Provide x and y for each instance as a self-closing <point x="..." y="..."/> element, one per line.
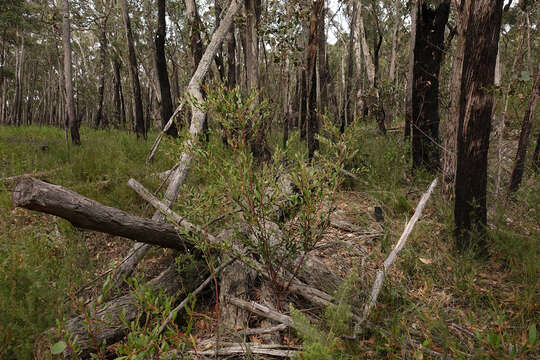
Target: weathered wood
<point x="262" y="310"/>
<point x="377" y="285"/>
<point x="86" y="213"/>
<point x="283" y="351"/>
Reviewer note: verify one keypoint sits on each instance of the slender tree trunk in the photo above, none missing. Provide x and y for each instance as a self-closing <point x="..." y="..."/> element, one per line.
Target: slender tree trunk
<point x="521" y="155"/>
<point x="231" y="59"/>
<point x="324" y="72"/>
<point x="285" y="98"/>
<point x="161" y="69"/>
<point x="389" y="112"/>
<point x="70" y="103"/>
<point x="313" y="119"/>
<point x="428" y="51"/>
<point x="479" y="24"/>
<point x="138" y="111"/>
<point x="101" y="82"/>
<point x="355" y="37"/>
<point x="347" y="114"/>
<point x="409" y="99"/>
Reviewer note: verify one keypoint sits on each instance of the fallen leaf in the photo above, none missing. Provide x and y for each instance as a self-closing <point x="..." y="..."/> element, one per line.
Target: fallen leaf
<point x="426" y="261"/>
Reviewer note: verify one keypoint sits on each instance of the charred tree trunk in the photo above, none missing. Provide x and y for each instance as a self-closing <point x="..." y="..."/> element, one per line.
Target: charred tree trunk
<point x="68" y="75"/>
<point x="101" y="82"/>
<point x="480" y="26"/>
<point x="313" y="119"/>
<point x="166" y="106"/>
<point x="347" y="113"/>
<point x="428" y="51"/>
<point x="536" y="156"/>
<point x="138" y="111"/>
<point x="521" y="155"/>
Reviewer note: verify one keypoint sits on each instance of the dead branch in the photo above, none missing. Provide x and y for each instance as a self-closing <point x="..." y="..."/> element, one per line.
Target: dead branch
<point x="377" y="285"/>
<point x="262" y="310"/>
<point x="155" y="146"/>
<point x="253" y="348"/>
<point x="85" y="213"/>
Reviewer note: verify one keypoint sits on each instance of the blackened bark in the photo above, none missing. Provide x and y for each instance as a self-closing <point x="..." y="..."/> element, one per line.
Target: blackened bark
<point x="134" y="74"/>
<point x="303" y="104"/>
<point x="324" y="72"/>
<point x="118" y="97"/>
<point x="521" y="155"/>
<point x="481" y="22"/>
<point x="166" y="108"/>
<point x="313" y="119"/>
<point x="428" y="51"/>
<point x="231" y="59"/>
<point x="347" y="113"/>
<point x="101" y="82"/>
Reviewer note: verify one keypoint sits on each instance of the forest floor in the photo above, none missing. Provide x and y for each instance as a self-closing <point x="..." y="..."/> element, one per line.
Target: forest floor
<point x="436" y="303"/>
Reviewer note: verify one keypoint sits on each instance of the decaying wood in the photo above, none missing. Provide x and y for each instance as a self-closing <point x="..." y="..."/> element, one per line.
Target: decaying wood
<point x="195" y="292"/>
<point x="85" y="213"/>
<point x="253" y="348"/>
<point x="262" y="310"/>
<point x="377" y="285"/>
<point x="261" y="331"/>
<point x="108" y="326"/>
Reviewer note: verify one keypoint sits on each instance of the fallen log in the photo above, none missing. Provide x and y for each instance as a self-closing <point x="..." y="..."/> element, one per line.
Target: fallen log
<point x="85" y="213"/>
<point x="284" y="351"/>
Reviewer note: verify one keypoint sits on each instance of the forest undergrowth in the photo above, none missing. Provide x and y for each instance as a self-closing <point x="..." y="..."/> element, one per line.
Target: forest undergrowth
<point x="434" y="303"/>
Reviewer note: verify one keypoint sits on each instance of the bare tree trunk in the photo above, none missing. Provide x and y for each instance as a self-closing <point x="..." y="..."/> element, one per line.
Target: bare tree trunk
<point x="389" y="112"/>
<point x="313" y="119"/>
<point x="521" y="155"/>
<point x="428" y="51"/>
<point x="409" y="100"/>
<point x="73" y="123"/>
<point x="479" y="24"/>
<point x="348" y="115"/>
<point x="161" y="69"/>
<point x="285" y="89"/>
<point x="138" y="111"/>
<point x="101" y="82"/>
<point x="324" y="71"/>
<point x="536" y="156"/>
<point x="355" y="36"/>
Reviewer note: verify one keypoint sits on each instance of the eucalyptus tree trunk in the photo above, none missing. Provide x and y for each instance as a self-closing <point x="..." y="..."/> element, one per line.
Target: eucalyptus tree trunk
<point x="70" y="103"/>
<point x="355" y="37"/>
<point x="16" y="116"/>
<point x="347" y="113"/>
<point x="285" y="89"/>
<point x="521" y="155"/>
<point x="409" y="96"/>
<point x="323" y="66"/>
<point x="428" y="51"/>
<point x="166" y="106"/>
<point x="389" y="112"/>
<point x="101" y="82"/>
<point x="138" y="111"/>
<point x="536" y="156"/>
<point x="479" y="25"/>
<point x="371" y="69"/>
<point x="313" y="119"/>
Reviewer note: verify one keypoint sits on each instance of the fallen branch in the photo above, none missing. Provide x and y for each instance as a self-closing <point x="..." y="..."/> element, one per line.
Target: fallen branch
<point x="377" y="285"/>
<point x="85" y="213"/>
<point x="163" y="132"/>
<point x="253" y="348"/>
<point x="262" y="331"/>
<point x="262" y="310"/>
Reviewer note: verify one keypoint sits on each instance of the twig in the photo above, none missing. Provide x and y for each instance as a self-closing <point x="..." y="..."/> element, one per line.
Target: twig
<point x="194" y="293"/>
<point x="377" y="285"/>
<point x="35" y="175"/>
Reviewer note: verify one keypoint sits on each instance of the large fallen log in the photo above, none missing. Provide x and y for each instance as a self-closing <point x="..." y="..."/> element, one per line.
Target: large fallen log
<point x="85" y="213"/>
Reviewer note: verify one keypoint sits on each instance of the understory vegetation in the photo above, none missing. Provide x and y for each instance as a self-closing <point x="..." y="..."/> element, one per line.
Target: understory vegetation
<point x="434" y="302"/>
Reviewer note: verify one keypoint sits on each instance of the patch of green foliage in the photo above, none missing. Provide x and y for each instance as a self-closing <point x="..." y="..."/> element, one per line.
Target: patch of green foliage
<point x="43" y="258"/>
